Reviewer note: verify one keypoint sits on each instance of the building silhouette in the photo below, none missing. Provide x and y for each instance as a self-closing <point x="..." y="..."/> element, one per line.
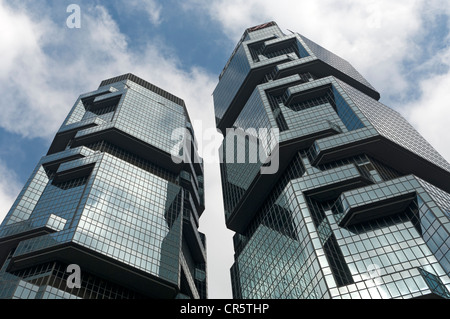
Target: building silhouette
<point x="358" y="203"/>
<point x="109" y="198"/>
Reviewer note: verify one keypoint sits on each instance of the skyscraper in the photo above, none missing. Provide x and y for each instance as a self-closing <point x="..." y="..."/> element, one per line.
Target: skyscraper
<point x="358" y="204"/>
<point x="108" y="213"/>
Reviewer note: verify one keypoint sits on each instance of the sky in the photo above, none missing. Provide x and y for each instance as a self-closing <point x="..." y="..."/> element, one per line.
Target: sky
<point x="401" y="47"/>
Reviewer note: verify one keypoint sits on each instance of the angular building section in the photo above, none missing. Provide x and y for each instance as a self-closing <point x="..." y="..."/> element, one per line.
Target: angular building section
<point x="358" y="205"/>
<point x="109" y="198"/>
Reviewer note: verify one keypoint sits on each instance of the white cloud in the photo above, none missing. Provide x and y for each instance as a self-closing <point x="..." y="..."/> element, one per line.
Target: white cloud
<point x="430" y="113"/>
<point x="9" y="189"/>
<point x="23" y="39"/>
<point x="153" y="9"/>
<point x="22" y="71"/>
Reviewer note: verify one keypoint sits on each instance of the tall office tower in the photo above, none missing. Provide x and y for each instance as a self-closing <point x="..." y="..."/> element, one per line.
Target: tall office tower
<point x="358" y="204"/>
<point x="110" y="211"/>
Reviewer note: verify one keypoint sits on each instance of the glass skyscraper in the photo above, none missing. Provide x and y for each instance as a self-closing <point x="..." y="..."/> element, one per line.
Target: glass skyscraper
<point x="109" y="199"/>
<point x="358" y="203"/>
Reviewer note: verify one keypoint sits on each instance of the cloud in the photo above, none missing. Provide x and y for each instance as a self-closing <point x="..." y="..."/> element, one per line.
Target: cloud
<point x="152" y="8"/>
<point x="9" y="189"/>
<point x="21" y="70"/>
<point x="430" y="113"/>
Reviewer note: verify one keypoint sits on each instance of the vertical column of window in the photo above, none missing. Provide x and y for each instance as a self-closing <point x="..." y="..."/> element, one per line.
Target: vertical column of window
<point x="235" y="281"/>
<point x="317" y="214"/>
<point x="234" y="181"/>
<point x="188" y="256"/>
<point x="434" y="234"/>
<point x="386" y="173"/>
<point x="333" y="252"/>
<point x="200" y="280"/>
<point x="366" y="168"/>
<point x="344" y="111"/>
<point x="302" y="53"/>
<point x="7" y="259"/>
<point x="412" y="212"/>
<point x="275" y="102"/>
<point x="339" y="267"/>
<point x="230" y="82"/>
<point x="8" y="281"/>
<point x="305" y="156"/>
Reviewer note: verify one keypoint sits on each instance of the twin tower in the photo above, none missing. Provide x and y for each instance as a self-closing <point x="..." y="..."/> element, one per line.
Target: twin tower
<point x="339" y="198"/>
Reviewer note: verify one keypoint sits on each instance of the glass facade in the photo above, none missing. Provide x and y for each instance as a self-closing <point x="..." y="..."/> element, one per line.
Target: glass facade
<point x="360" y="205"/>
<point x="108" y="198"/>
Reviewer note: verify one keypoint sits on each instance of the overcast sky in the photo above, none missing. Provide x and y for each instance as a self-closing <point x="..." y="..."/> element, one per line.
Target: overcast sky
<point x="401" y="47"/>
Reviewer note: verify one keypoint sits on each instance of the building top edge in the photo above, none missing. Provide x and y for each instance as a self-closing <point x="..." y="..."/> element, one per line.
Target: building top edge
<point x="145" y="84"/>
